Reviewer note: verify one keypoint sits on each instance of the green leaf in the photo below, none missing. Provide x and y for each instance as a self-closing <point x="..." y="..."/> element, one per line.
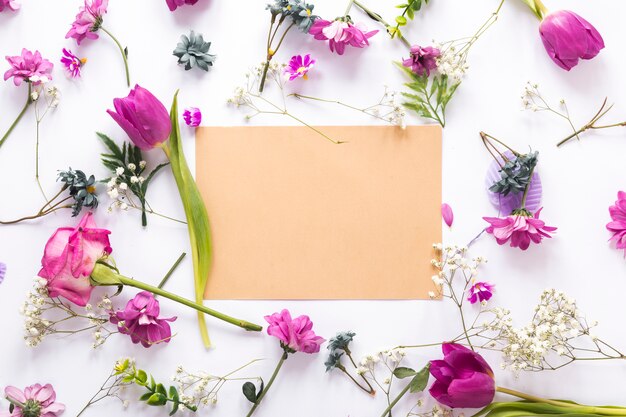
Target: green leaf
<point x="161" y="389"/>
<point x="420" y="380"/>
<point x="401" y="20"/>
<point x="145" y="396"/>
<point x="410" y="13"/>
<point x="141" y="376"/>
<point x="403" y="372"/>
<point x="152" y="384"/>
<point x="108" y="142"/>
<point x="174" y="408"/>
<point x="249" y="391"/>
<point x="144" y="186"/>
<point x="157" y="399"/>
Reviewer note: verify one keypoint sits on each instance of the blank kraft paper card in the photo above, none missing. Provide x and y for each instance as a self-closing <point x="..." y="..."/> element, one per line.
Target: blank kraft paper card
<point x="294" y="216"/>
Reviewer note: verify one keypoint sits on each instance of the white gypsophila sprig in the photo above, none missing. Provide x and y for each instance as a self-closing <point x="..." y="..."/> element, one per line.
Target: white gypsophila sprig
<point x="44" y="316"/>
<point x="379" y="367"/>
<point x="451" y="62"/>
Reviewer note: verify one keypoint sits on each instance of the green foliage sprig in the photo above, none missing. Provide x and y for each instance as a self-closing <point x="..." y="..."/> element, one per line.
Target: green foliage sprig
<point x="408" y="13"/>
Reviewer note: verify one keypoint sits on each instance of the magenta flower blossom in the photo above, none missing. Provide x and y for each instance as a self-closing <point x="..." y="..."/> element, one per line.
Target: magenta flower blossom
<point x="192" y="116"/>
<point x="339" y="34"/>
<point x="72" y="63"/>
<point x="447" y="214"/>
<point x="173" y="4"/>
<point x="568" y="37"/>
<point x="295" y="335"/>
<point x="479" y="292"/>
<point x="463" y="378"/>
<point x="422" y="60"/>
<point x="12" y="5"/>
<point x="618" y="225"/>
<point x="35" y="401"/>
<point x="28" y="65"/>
<point x="69" y="258"/>
<point x="140" y="320"/>
<point x="520" y="228"/>
<point x="299" y="66"/>
<point x="3" y="271"/>
<point x="143" y="117"/>
<point x="88" y="20"/>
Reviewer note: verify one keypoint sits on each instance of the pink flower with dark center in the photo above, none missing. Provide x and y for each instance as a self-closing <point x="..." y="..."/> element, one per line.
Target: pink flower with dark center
<point x="88" y="20"/>
<point x="28" y="65"/>
<point x="422" y="60"/>
<point x="173" y="4"/>
<point x="140" y="320"/>
<point x="69" y="258"/>
<point x="340" y="33"/>
<point x="192" y="116"/>
<point x="72" y="63"/>
<point x="479" y="292"/>
<point x="299" y="66"/>
<point x="35" y="401"/>
<point x="295" y="335"/>
<point x="520" y="228"/>
<point x="12" y="5"/>
<point x="618" y="225"/>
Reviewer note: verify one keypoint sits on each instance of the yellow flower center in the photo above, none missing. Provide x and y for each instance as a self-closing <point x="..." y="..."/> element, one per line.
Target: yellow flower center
<point x="91" y="189"/>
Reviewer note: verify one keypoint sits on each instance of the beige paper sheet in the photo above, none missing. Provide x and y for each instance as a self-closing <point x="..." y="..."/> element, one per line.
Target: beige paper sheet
<point x="294" y="216"/>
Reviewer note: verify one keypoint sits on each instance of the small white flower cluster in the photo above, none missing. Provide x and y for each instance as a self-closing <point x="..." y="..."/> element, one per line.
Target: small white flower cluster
<point x="388" y="109"/>
<point x="451" y="62"/>
<point x="197" y="388"/>
<point x="451" y="259"/>
<point x="35" y="327"/>
<point x="246" y="94"/>
<point x="118" y="188"/>
<point x="387" y="358"/>
<point x="555" y="324"/>
<point x="436" y="411"/>
<point x="40" y="87"/>
<point x="534" y="101"/>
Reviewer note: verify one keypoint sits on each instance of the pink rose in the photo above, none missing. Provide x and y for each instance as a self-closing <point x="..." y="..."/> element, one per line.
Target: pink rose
<point x="69" y="258"/>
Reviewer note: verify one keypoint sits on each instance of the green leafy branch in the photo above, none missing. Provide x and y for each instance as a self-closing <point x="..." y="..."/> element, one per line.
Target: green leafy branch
<point x="156" y="394"/>
<point x="418" y="382"/>
<point x="408" y="13"/>
<point x="429" y="96"/>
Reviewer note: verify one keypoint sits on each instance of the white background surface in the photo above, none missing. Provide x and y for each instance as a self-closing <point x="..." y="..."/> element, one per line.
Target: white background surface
<point x="580" y="181"/>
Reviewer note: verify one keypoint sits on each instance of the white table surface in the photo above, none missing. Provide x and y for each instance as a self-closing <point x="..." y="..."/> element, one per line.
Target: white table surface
<point x="580" y="181"/>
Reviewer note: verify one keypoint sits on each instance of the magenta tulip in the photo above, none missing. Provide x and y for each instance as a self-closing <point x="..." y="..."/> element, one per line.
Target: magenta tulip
<point x="463" y="378"/>
<point x="568" y="37"/>
<point x="143" y="117"/>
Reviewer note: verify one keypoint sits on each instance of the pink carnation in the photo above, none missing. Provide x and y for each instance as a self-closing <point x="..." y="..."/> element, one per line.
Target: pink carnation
<point x="339" y="33"/>
<point x="296" y="335"/>
<point x="88" y="20"/>
<point x="174" y="4"/>
<point x="618" y="225"/>
<point x="12" y="5"/>
<point x="28" y="65"/>
<point x="520" y="228"/>
<point x="36" y="399"/>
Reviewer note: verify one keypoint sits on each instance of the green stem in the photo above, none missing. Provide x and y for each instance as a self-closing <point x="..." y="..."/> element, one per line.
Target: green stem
<point x="523" y="203"/>
<point x="269" y="384"/>
<point x="19" y="116"/>
<point x="541" y="8"/>
<point x="103" y="275"/>
<point x="124" y="57"/>
<point x="172" y="269"/>
<point x="387" y="411"/>
<point x="350" y="3"/>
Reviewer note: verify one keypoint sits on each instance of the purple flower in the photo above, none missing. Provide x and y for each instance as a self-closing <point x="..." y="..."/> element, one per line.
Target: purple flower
<point x="340" y="33"/>
<point x="35" y="401"/>
<point x="618" y="225"/>
<point x="88" y="20"/>
<point x="568" y="37"/>
<point x="295" y="335"/>
<point x="520" y="228"/>
<point x="447" y="214"/>
<point x="299" y="66"/>
<point x="479" y="292"/>
<point x="422" y="60"/>
<point x="140" y="320"/>
<point x="12" y="5"/>
<point x="463" y="378"/>
<point x="3" y="271"/>
<point x="143" y="117"/>
<point x="173" y="4"/>
<point x="192" y="116"/>
<point x="72" y="63"/>
<point x="29" y="65"/>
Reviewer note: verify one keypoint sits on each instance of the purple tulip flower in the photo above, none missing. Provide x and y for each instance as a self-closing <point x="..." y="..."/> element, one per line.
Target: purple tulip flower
<point x="568" y="37"/>
<point x="463" y="378"/>
<point x="143" y="117"/>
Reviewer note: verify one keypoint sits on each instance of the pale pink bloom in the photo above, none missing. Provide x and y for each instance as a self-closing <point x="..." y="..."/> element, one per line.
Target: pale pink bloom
<point x="140" y="320"/>
<point x="299" y="66"/>
<point x="37" y="400"/>
<point x="28" y="65"/>
<point x="88" y="20"/>
<point x="447" y="214"/>
<point x="340" y="33"/>
<point x="12" y="5"/>
<point x="618" y="225"/>
<point x="479" y="292"/>
<point x="520" y="228"/>
<point x="69" y="258"/>
<point x="295" y="335"/>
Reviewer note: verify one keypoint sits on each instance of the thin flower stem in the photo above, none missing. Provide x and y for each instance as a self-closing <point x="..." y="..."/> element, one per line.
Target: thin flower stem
<point x="151" y="211"/>
<point x="282" y="38"/>
<point x="370" y="391"/>
<point x="29" y="101"/>
<point x="122" y="50"/>
<point x="36" y="216"/>
<point x="387" y="411"/>
<point x="591" y="125"/>
<point x="350" y="3"/>
<point x="269" y="383"/>
<point x="171" y="271"/>
<point x="523" y="203"/>
<point x="375" y="16"/>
